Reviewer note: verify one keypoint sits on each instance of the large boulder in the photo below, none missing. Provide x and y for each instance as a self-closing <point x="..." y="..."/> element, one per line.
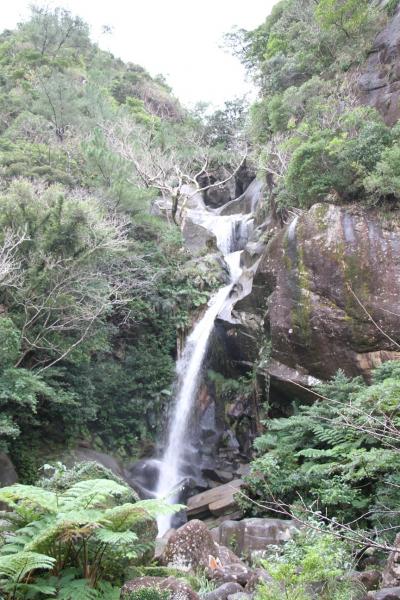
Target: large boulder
<point x="385" y="594"/>
<point x="217" y="501"/>
<point x="236" y="572"/>
<point x="197" y="238"/>
<point x="223" y="591"/>
<point x="8" y="473"/>
<point x="391" y="573"/>
<point x="249" y="535"/>
<point x="190" y="546"/>
<point x="327" y="293"/>
<point x="379" y="82"/>
<point x="178" y="590"/>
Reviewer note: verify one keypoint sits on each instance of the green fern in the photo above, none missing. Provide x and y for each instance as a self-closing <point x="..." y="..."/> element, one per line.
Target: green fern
<point x="91" y="531"/>
<point x="36" y="497"/>
<point x="120" y="538"/>
<point x="17" y="566"/>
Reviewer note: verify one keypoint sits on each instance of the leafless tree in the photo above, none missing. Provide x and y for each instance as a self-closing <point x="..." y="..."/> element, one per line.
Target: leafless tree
<point x="165" y="169"/>
<point x="10" y="265"/>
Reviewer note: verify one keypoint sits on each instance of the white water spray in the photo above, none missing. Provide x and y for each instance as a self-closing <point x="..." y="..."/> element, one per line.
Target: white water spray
<point x="189" y="366"/>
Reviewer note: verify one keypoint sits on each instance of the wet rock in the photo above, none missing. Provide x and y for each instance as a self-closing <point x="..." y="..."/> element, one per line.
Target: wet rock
<point x="249" y="535"/>
<point x="84" y="454"/>
<point x="221" y="194"/>
<point x="197" y="238"/>
<point x="178" y="589"/>
<point x="143" y="476"/>
<point x="8" y="473"/>
<point x="190" y="546"/>
<point x="217" y="501"/>
<point x="316" y="284"/>
<point x="247" y="202"/>
<point x="391" y="572"/>
<point x="379" y="82"/>
<point x="385" y="594"/>
<point x="223" y="592"/>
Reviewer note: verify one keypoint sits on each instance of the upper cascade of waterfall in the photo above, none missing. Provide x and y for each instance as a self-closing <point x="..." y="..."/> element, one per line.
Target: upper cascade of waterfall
<point x="228" y="231"/>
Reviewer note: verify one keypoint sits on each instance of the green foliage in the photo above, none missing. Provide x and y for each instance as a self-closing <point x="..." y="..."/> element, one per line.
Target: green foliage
<point x="333" y="454"/>
<point x="84" y="533"/>
<point x="96" y="287"/>
<point x="309" y="139"/>
<point x="312" y="561"/>
<point x="349" y="16"/>
<point x="148" y="593"/>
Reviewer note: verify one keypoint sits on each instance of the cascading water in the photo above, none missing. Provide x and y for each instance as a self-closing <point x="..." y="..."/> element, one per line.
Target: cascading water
<point x="189" y="366"/>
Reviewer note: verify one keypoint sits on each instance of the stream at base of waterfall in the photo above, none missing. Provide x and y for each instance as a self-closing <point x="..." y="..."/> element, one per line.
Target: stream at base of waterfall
<point x="189" y="366"/>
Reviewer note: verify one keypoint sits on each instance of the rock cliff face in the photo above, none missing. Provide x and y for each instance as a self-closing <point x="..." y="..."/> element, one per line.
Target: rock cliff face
<point x="326" y="295"/>
<point x="380" y="79"/>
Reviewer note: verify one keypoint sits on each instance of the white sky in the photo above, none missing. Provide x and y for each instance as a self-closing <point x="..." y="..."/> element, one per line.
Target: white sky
<point x="177" y="38"/>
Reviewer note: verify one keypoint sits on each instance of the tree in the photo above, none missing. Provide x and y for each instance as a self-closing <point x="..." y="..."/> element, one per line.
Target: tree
<point x="171" y="166"/>
<point x="88" y="532"/>
<point x="349" y="16"/>
<point x="56" y="34"/>
<point x="67" y="273"/>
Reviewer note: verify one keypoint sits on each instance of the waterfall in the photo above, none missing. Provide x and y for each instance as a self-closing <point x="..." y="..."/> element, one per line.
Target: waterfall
<point x="189" y="366"/>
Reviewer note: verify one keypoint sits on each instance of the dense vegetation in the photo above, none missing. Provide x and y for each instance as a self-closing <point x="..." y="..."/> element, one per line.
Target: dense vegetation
<point x="331" y="462"/>
<point x="313" y="140"/>
<point x="93" y="289"/>
<point x="79" y="535"/>
<point x="339" y="454"/>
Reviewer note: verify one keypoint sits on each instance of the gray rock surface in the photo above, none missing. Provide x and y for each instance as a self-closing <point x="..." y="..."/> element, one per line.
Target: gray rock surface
<point x="197" y="238"/>
<point x="216" y="501"/>
<point x="222" y="592"/>
<point x="385" y="594"/>
<point x="391" y="572"/>
<point x="258" y="576"/>
<point x="240" y="596"/>
<point x="237" y="572"/>
<point x="316" y="284"/>
<point x="248" y="535"/>
<point x="8" y="473"/>
<point x="379" y="82"/>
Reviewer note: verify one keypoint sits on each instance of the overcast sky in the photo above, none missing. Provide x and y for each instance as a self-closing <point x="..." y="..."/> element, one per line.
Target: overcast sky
<point x="178" y="38"/>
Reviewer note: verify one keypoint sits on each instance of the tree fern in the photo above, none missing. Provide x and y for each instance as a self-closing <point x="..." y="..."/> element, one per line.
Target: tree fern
<point x="93" y="492"/>
<point x="17" y="566"/>
<point x="35" y="497"/>
<point x="116" y="537"/>
<point x="90" y="527"/>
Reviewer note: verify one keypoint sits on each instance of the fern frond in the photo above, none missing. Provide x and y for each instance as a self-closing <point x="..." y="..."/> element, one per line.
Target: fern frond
<point x="35" y="496"/>
<point x="156" y="507"/>
<point x="28" y="589"/>
<point x="16" y="566"/>
<point x="22" y="538"/>
<point x="77" y="589"/>
<point x="91" y="493"/>
<point x="106" y="536"/>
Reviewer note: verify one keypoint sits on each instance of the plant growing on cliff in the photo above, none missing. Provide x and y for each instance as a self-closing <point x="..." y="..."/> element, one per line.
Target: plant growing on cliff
<point x="339" y="456"/>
